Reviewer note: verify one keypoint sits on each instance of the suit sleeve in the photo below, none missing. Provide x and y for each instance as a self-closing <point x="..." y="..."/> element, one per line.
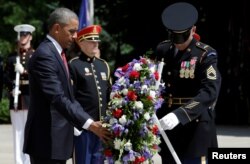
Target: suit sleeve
<point x="55" y="86"/>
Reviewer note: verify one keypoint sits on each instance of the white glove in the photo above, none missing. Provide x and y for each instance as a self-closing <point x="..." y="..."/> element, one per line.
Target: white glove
<point x="77" y="132"/>
<point x="13" y="92"/>
<point x="169" y="121"/>
<point x="19" y="68"/>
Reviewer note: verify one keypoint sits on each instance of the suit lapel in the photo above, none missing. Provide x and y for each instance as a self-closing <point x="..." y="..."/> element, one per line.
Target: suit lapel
<point x="59" y="59"/>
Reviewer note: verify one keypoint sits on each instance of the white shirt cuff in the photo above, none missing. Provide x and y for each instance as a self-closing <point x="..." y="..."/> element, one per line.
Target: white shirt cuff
<point x="87" y="124"/>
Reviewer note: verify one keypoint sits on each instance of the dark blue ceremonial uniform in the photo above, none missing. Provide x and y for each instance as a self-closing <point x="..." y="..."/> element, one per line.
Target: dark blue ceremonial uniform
<point x="192" y="84"/>
<point x="10" y="74"/>
<point x="91" y="81"/>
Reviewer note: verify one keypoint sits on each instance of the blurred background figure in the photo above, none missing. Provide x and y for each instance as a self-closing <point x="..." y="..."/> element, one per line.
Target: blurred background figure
<point x="1" y="77"/>
<point x="18" y="114"/>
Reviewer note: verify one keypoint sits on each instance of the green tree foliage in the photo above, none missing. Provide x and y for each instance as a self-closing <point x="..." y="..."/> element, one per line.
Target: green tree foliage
<point x="22" y="12"/>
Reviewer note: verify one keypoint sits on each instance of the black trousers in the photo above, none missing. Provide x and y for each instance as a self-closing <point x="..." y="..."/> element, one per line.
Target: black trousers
<point x="38" y="160"/>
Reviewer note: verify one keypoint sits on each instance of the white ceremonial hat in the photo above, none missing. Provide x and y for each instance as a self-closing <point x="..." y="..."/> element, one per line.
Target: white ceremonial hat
<point x="24" y="28"/>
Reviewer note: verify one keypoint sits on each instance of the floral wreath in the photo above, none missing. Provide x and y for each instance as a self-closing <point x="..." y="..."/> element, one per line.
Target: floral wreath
<point x="134" y="100"/>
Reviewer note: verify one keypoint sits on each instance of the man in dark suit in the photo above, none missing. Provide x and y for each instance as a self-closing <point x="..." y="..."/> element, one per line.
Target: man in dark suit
<point x="53" y="111"/>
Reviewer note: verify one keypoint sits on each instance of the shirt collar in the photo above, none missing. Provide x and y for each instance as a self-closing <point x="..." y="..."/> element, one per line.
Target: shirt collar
<point x="56" y="44"/>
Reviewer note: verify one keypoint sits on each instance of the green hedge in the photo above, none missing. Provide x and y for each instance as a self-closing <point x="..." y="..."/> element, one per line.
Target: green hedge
<point x="4" y="111"/>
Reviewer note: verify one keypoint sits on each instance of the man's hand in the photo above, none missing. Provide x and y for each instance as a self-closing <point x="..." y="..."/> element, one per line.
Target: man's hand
<point x="169" y="121"/>
<point x="19" y="68"/>
<point x="101" y="132"/>
<point x="13" y="92"/>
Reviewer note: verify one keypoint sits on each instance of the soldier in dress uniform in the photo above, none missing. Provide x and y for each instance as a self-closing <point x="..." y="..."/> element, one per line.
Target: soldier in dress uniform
<point x="91" y="80"/>
<point x="192" y="87"/>
<point x="19" y="114"/>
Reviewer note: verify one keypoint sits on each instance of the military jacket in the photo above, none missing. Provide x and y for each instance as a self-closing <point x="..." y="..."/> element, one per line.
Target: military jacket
<point x="91" y="81"/>
<point x="10" y="76"/>
<point x="191" y="77"/>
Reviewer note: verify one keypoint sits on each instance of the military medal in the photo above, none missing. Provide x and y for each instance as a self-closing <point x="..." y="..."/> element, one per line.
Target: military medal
<point x="103" y="75"/>
<point x="191" y="73"/>
<point x="192" y="67"/>
<point x="187" y="70"/>
<point x="182" y="70"/>
<point x="86" y="70"/>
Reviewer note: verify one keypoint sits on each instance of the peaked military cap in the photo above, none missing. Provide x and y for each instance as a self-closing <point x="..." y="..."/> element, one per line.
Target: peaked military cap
<point x="90" y="33"/>
<point x="179" y="16"/>
<point x="24" y="29"/>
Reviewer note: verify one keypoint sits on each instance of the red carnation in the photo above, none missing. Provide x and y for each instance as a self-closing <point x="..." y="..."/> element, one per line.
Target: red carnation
<point x="156" y="75"/>
<point x="117" y="113"/>
<point x="139" y="160"/>
<point x="155" y="146"/>
<point x="150" y="98"/>
<point x="117" y="95"/>
<point x="132" y="95"/>
<point x="108" y="153"/>
<point x="155" y="130"/>
<point x="124" y="68"/>
<point x="134" y="75"/>
<point x="143" y="60"/>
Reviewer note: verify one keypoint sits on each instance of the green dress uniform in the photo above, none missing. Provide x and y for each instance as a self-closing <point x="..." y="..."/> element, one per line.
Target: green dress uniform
<point x="192" y="84"/>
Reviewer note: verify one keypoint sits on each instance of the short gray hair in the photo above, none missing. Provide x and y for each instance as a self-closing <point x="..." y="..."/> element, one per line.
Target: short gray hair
<point x="62" y="16"/>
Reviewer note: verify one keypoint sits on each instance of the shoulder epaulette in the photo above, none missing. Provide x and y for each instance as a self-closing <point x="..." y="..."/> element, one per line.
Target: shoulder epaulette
<point x="97" y="58"/>
<point x="74" y="58"/>
<point x="203" y="46"/>
<point x="165" y="41"/>
<point x="206" y="48"/>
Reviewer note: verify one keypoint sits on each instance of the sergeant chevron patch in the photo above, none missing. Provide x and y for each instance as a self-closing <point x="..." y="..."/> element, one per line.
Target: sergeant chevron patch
<point x="211" y="73"/>
<point x="192" y="105"/>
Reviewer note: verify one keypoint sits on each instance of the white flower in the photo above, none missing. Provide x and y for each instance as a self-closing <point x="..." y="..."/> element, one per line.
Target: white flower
<point x="123" y="119"/>
<point x="112" y="121"/>
<point x="144" y="87"/>
<point x="138" y="105"/>
<point x="152" y="94"/>
<point x="117" y="101"/>
<point x="152" y="69"/>
<point x="147" y="116"/>
<point x="121" y="81"/>
<point x="118" y="162"/>
<point x="137" y="67"/>
<point x="128" y="146"/>
<point x="112" y="94"/>
<point x="125" y="91"/>
<point x="117" y="144"/>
